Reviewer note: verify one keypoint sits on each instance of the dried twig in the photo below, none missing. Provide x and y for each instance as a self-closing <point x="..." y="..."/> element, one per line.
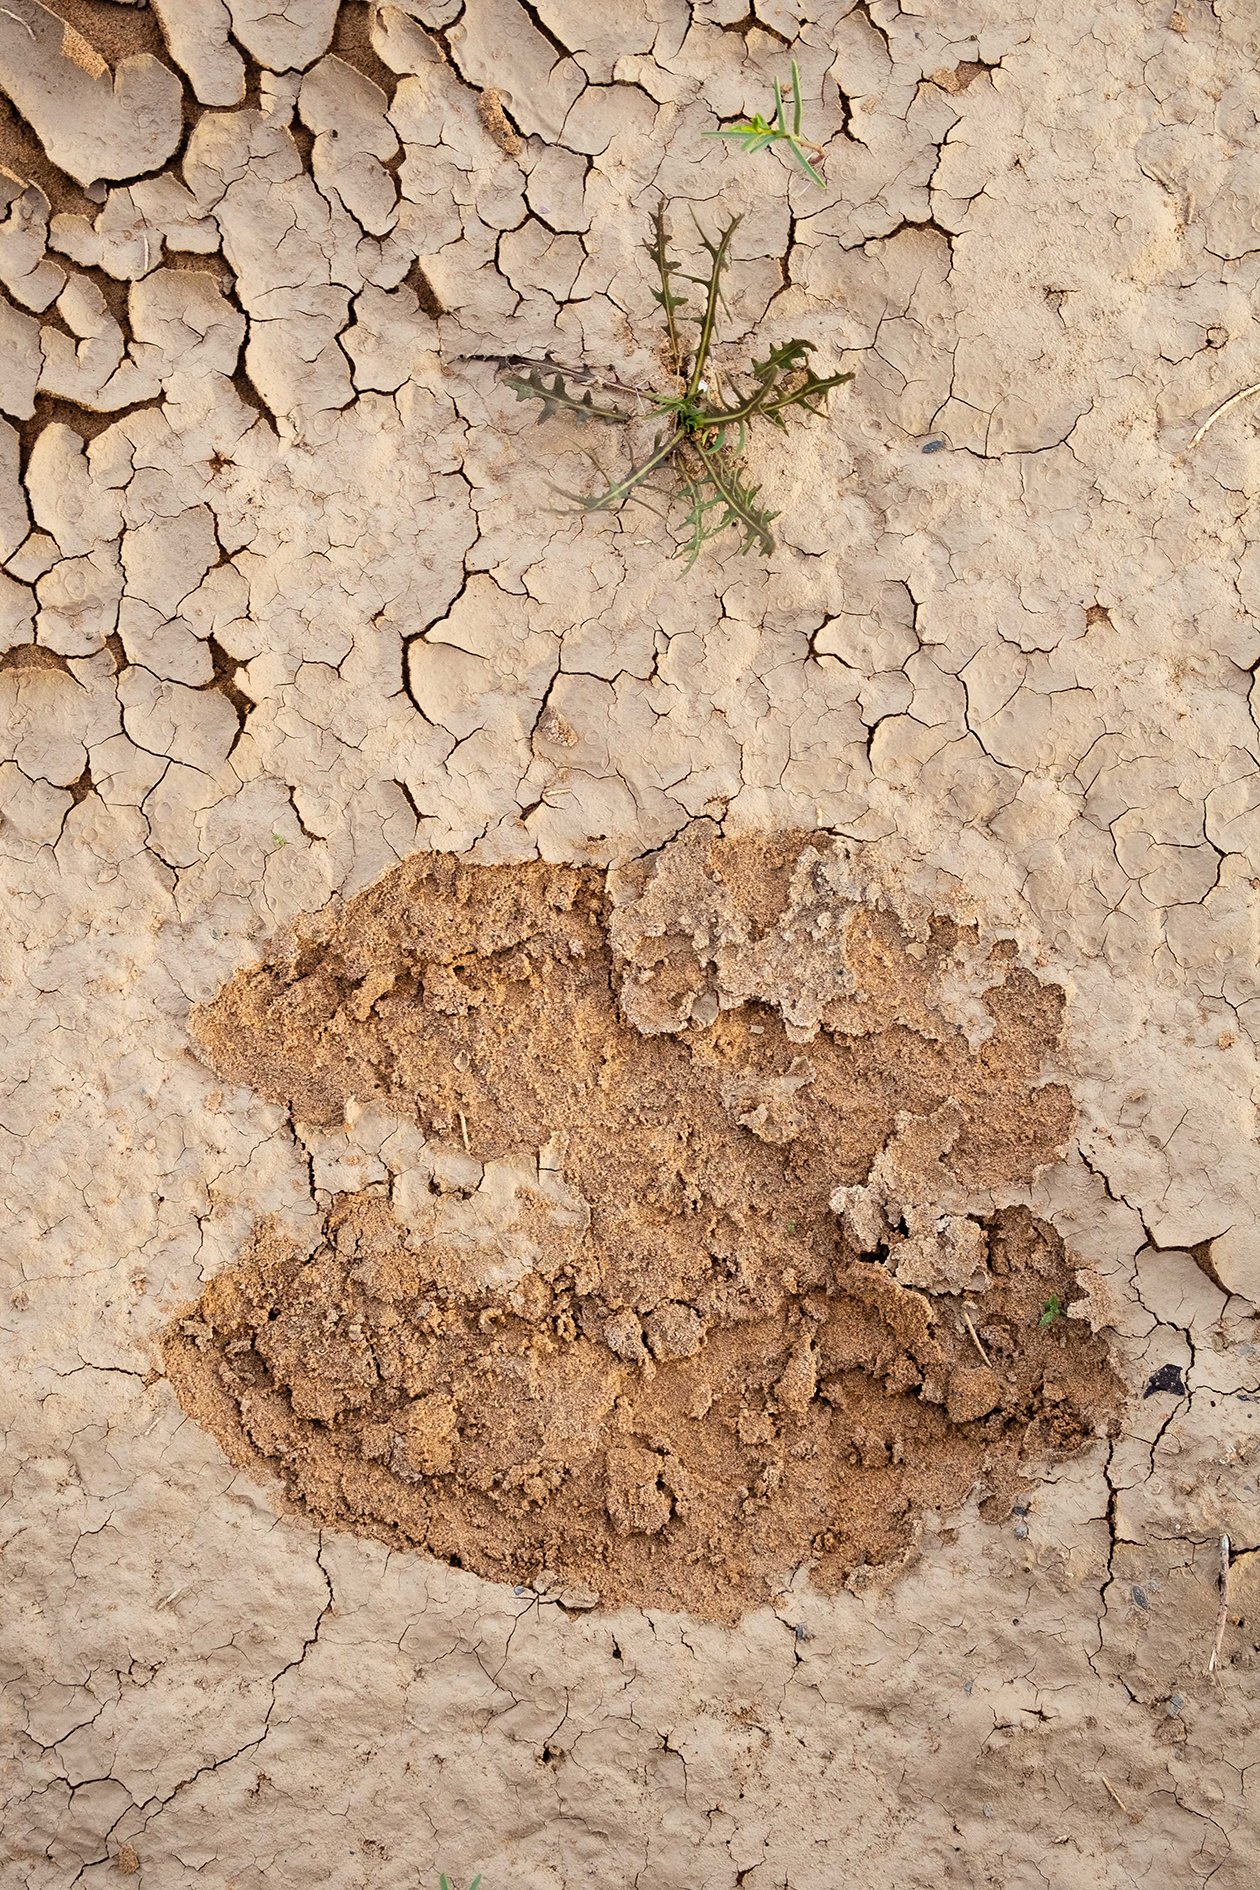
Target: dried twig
<point x="1218" y="413"/>
<point x="975" y="1336"/>
<point x="18" y="20"/>
<point x="1114" y="1793"/>
<point x="1222" y="1613"/>
<point x="463" y="1129"/>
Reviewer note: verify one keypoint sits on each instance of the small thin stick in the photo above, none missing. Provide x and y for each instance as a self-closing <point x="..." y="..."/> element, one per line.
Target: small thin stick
<point x="1114" y="1793"/>
<point x="975" y="1336"/>
<point x="1222" y="1613"/>
<point x="18" y="20"/>
<point x="1218" y="413"/>
<point x="463" y="1129"/>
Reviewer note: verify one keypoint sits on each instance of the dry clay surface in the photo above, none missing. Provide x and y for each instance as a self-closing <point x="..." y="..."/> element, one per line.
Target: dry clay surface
<point x="284" y="602"/>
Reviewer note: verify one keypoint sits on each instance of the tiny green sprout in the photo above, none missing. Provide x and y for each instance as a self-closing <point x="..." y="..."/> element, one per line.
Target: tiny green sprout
<point x="755" y="133"/>
<point x="703" y="429"/>
<point x="1052" y="1310"/>
<point x="279" y="839"/>
<point x="791" y="1227"/>
<point x="444" y="1882"/>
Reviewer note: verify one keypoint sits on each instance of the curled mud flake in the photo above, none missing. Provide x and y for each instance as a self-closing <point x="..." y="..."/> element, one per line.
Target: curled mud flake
<point x="92" y="122"/>
<point x="354" y="141"/>
<point x="496" y="47"/>
<point x="20" y="361"/>
<point x="26" y="272"/>
<point x="284" y="39"/>
<point x="198" y="35"/>
<point x="656" y="1313"/>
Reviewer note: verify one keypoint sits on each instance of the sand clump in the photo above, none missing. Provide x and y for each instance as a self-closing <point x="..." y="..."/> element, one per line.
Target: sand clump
<point x="693" y="1273"/>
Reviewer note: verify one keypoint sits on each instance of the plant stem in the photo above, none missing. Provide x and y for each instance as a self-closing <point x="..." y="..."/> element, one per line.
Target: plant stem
<point x="718" y="254"/>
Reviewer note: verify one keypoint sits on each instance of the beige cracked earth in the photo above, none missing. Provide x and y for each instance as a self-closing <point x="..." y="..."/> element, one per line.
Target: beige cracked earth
<point x="286" y="605"/>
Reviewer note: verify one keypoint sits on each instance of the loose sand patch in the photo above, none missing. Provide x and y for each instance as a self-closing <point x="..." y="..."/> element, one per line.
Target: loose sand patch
<point x="699" y="1275"/>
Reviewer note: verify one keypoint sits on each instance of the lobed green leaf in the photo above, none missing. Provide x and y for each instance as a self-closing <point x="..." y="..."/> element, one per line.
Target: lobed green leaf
<point x="557" y="397"/>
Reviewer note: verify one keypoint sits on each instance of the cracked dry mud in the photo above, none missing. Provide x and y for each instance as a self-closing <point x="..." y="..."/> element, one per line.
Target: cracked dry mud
<point x="284" y="612"/>
<point x="694" y="1305"/>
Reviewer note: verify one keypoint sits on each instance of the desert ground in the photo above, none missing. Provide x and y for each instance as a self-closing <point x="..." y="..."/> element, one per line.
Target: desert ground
<point x="631" y="1252"/>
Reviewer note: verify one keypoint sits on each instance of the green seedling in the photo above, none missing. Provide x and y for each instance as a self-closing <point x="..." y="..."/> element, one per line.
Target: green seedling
<point x="703" y="434"/>
<point x="755" y="133"/>
<point x="444" y="1884"/>
<point x="1052" y="1310"/>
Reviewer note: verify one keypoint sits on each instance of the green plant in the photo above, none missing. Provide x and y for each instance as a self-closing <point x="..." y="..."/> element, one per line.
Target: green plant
<point x="755" y="133"/>
<point x="703" y="437"/>
<point x="444" y="1884"/>
<point x="1052" y="1310"/>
